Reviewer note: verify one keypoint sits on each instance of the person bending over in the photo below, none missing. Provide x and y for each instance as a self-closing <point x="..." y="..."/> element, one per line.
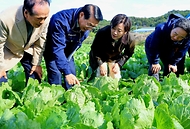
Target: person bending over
<point x="112" y="46"/>
<point x="66" y="32"/>
<point x="168" y="43"/>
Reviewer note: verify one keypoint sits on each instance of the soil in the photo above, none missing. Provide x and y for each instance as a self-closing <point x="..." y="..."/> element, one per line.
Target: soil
<point x="140" y="37"/>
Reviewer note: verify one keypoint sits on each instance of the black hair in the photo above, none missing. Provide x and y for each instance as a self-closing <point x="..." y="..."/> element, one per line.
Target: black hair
<point x="184" y="24"/>
<point x="88" y="12"/>
<point x="121" y="18"/>
<point x="29" y="4"/>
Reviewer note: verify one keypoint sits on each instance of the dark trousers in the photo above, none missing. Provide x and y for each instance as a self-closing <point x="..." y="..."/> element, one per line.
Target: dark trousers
<point x="2" y="79"/>
<point x="26" y="62"/>
<point x="180" y="67"/>
<point x="27" y="65"/>
<point x="55" y="76"/>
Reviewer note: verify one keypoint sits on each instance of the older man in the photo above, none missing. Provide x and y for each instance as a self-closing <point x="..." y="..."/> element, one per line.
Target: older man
<point x="22" y="37"/>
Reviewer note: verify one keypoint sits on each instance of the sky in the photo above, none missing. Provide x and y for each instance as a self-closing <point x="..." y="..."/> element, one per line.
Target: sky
<point x="109" y="8"/>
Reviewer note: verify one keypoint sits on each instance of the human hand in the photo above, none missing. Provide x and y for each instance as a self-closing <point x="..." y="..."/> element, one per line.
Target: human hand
<point x="71" y="79"/>
<point x="155" y="68"/>
<point x="37" y="69"/>
<point x="103" y="69"/>
<point x="115" y="68"/>
<point x="172" y="68"/>
<point x="3" y="74"/>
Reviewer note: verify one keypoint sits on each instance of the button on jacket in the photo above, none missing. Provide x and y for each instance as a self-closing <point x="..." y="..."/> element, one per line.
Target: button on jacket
<point x="63" y="38"/>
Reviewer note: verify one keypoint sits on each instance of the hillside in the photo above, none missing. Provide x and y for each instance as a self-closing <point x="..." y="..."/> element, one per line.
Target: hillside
<point x="145" y="22"/>
<point x="153" y="21"/>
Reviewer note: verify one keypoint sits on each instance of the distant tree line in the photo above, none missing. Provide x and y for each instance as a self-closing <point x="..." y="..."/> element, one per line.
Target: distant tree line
<point x="145" y="22"/>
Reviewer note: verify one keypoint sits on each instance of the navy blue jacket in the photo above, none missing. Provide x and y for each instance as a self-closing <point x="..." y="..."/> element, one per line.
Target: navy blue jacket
<point x="159" y="43"/>
<point x="63" y="38"/>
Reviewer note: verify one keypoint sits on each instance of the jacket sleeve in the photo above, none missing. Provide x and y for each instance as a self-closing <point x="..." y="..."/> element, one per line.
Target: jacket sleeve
<point x="128" y="52"/>
<point x="39" y="46"/>
<point x="180" y="53"/>
<point x="58" y="44"/>
<point x="98" y="51"/>
<point x="3" y="37"/>
<point x="152" y="45"/>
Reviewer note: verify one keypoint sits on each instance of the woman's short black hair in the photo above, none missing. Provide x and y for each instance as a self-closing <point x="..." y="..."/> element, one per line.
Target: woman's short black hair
<point x="29" y="4"/>
<point x="95" y="11"/>
<point x="121" y="18"/>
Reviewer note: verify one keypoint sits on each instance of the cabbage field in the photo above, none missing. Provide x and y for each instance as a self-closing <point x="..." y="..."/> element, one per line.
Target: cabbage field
<point x="137" y="101"/>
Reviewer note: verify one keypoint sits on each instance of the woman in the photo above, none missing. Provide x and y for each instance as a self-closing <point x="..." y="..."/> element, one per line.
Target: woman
<point x="169" y="42"/>
<point x="113" y="45"/>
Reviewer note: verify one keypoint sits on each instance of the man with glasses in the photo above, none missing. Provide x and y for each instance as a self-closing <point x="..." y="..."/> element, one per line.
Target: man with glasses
<point x="22" y="37"/>
<point x="169" y="43"/>
<point x="66" y="32"/>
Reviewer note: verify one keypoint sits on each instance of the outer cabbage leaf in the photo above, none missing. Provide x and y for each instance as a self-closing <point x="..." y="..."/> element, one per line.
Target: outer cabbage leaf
<point x="8" y="98"/>
<point x="136" y="115"/>
<point x="145" y="84"/>
<point x="180" y="108"/>
<point x="17" y="121"/>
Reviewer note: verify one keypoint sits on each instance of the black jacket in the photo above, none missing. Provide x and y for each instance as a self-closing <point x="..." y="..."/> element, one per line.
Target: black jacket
<point x="104" y="49"/>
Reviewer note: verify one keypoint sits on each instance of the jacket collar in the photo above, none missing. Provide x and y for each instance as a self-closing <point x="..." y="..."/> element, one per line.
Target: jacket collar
<point x="21" y="24"/>
<point x="75" y="19"/>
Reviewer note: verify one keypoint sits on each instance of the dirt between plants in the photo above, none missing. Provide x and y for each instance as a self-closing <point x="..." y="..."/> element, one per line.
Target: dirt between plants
<point x="140" y="37"/>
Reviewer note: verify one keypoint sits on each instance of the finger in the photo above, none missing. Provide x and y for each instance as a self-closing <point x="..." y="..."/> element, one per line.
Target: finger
<point x="115" y="70"/>
<point x="70" y="83"/>
<point x="31" y="72"/>
<point x="153" y="70"/>
<point x="40" y="75"/>
<point x="170" y="69"/>
<point x="174" y="70"/>
<point x="77" y="82"/>
<point x="102" y="73"/>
